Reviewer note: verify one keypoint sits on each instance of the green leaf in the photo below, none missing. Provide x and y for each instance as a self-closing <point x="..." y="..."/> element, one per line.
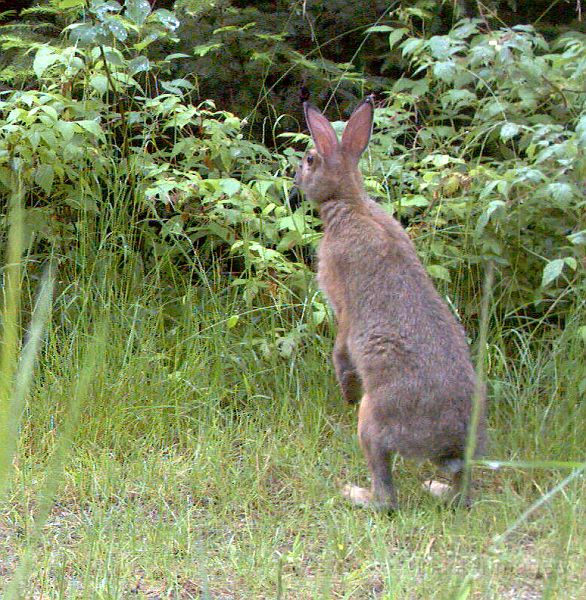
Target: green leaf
<point x="50" y="138"/>
<point x="294" y="222"/>
<point x="439" y="272"/>
<point x="203" y="49"/>
<point x="562" y="193"/>
<point x="552" y="271"/>
<point x="263" y="57"/>
<point x="411" y="46"/>
<point x="509" y="131"/>
<point x="138" y="64"/>
<point x="84" y="34"/>
<point x="167" y="19"/>
<point x="116" y="28"/>
<point x="414" y="200"/>
<point x="70" y="3"/>
<point x="441" y="160"/>
<point x="458" y="98"/>
<point x="102" y="8"/>
<point x="91" y="127"/>
<point x="43" y="177"/>
<point x="571" y="262"/>
<point x="379" y="29"/>
<point x="232" y="321"/>
<point x="230" y="186"/>
<point x="581" y="130"/>
<point x="137" y="11"/>
<point x="99" y="83"/>
<point x="464" y="29"/>
<point x="578" y="238"/>
<point x="35" y="137"/>
<point x="396" y="36"/>
<point x="419" y="12"/>
<point x="172" y="89"/>
<point x="66" y="129"/>
<point x="495" y="205"/>
<point x="114" y="57"/>
<point x="50" y="111"/>
<point x="445" y="70"/>
<point x="263" y="186"/>
<point x="230" y="28"/>
<point x="439" y="46"/>
<point x="176" y="55"/>
<point x="320" y="312"/>
<point x="44" y="58"/>
<point x="125" y="79"/>
<point x="176" y="86"/>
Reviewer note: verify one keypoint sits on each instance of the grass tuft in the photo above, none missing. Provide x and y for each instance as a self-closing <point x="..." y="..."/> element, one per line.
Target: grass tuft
<point x="172" y="455"/>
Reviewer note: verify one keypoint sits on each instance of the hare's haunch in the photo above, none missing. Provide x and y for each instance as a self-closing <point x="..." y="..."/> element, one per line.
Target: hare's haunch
<point x="398" y="345"/>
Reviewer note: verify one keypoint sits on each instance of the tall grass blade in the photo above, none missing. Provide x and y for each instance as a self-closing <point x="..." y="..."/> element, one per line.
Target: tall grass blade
<point x="539" y="503"/>
<point x="10" y="327"/>
<point x="94" y="352"/>
<point x="478" y="400"/>
<point x="25" y="370"/>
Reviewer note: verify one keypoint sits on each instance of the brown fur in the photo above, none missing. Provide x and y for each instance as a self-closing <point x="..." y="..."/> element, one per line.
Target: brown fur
<point x="397" y="340"/>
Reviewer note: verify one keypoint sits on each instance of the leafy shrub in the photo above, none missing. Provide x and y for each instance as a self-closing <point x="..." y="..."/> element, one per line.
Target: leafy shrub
<point x="478" y="148"/>
<point x="482" y="147"/>
<point x="107" y="140"/>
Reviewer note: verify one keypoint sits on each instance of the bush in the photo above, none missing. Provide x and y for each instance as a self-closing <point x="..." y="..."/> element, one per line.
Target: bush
<point x="107" y="144"/>
<point x="481" y="146"/>
<point x="478" y="148"/>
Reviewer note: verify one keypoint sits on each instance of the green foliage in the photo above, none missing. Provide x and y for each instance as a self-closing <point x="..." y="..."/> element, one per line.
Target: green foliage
<point x="256" y="55"/>
<point x="169" y="424"/>
<point x="478" y="147"/>
<point x="105" y="131"/>
<point x="482" y="142"/>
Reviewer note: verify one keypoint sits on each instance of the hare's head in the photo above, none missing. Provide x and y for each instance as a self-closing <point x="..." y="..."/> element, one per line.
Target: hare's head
<point x="330" y="170"/>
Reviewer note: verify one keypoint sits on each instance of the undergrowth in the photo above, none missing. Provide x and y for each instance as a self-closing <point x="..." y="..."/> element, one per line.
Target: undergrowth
<point x="202" y="463"/>
<point x="170" y="424"/>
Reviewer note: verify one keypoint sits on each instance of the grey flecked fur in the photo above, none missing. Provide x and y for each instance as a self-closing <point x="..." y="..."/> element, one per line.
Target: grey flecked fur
<point x="398" y="344"/>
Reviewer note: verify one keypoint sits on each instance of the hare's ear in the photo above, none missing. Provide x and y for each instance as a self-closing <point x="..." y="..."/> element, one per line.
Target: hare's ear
<point x="323" y="134"/>
<point x="357" y="133"/>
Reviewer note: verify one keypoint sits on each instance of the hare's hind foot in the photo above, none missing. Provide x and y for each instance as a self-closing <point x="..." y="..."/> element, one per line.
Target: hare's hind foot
<point x="457" y="493"/>
<point x="438" y="489"/>
<point x="364" y="498"/>
<point x="357" y="495"/>
<point x="450" y="494"/>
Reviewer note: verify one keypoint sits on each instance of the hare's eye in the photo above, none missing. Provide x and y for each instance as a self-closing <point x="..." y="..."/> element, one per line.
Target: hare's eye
<point x="310" y="160"/>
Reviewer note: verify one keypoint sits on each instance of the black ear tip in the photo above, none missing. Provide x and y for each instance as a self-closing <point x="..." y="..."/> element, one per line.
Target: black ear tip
<point x="304" y="94"/>
<point x="309" y="108"/>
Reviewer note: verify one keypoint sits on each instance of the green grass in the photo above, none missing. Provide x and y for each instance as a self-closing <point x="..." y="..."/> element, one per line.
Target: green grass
<point x="204" y="464"/>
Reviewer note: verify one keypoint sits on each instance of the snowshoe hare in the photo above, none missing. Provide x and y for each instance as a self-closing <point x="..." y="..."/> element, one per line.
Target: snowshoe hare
<point x="398" y="345"/>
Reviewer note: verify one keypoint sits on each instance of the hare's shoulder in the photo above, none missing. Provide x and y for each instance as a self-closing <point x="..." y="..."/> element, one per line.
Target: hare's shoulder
<point x="380" y="218"/>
